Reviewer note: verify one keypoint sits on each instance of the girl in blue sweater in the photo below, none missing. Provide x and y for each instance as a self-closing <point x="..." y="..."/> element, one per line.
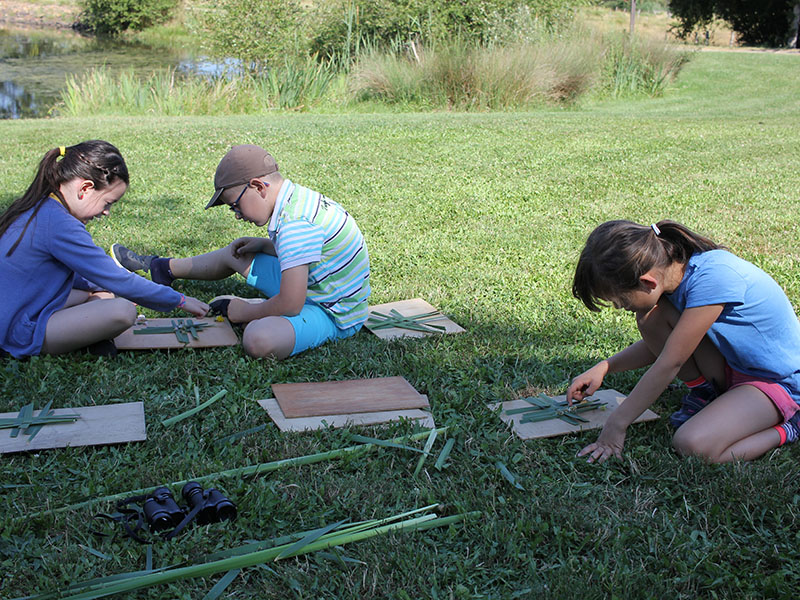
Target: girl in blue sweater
<point x="717" y="322"/>
<point x="50" y="269"/>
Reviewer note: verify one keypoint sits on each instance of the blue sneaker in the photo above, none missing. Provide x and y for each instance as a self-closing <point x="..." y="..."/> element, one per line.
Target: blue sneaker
<point x="692" y="403"/>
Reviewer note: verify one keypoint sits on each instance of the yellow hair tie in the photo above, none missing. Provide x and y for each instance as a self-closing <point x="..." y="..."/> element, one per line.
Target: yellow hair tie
<point x="62" y="150"/>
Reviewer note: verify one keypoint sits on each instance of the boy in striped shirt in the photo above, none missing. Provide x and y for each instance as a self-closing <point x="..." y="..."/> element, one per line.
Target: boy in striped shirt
<point x="313" y="267"/>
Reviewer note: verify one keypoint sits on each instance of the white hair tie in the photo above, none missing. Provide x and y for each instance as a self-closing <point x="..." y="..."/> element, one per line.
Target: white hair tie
<point x="655" y="229"/>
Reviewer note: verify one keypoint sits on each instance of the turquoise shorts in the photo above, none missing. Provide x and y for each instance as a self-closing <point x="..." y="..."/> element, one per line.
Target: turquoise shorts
<point x="313" y="326"/>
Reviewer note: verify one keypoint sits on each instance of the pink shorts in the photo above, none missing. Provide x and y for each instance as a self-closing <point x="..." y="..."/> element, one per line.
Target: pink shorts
<point x="774" y="391"/>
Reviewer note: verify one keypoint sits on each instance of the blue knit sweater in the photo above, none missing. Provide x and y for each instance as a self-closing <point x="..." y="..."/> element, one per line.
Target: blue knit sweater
<point x="37" y="278"/>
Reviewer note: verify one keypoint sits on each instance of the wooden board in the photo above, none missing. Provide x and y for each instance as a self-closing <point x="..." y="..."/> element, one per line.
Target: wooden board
<point x="98" y="425"/>
<point x="554" y="427"/>
<point x="407" y="308"/>
<point x="347" y="397"/>
<point x="372" y="418"/>
<point x="220" y="334"/>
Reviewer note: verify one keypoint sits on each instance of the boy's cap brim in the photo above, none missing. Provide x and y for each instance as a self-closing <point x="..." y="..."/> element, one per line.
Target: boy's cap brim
<point x="238" y="167"/>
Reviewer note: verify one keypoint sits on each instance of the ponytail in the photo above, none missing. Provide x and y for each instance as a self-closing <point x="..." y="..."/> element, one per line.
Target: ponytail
<point x="618" y="253"/>
<point x="94" y="160"/>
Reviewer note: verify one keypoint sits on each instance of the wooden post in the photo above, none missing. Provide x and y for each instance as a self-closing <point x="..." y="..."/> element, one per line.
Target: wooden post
<point x="633" y="17"/>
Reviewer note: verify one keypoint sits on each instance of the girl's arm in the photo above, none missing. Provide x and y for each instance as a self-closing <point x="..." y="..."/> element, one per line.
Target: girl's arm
<point x="587" y="383"/>
<point x="681" y="344"/>
<point x="70" y="243"/>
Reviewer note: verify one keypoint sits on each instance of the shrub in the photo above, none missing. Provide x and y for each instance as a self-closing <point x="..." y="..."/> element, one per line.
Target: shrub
<point x="340" y="26"/>
<point x="258" y="32"/>
<point x="112" y="17"/>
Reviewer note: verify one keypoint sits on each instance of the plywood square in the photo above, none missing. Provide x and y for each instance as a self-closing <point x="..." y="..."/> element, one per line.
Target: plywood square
<point x="347" y="397"/>
<point x="372" y="418"/>
<point x="408" y="308"/>
<point x="554" y="427"/>
<point x="98" y="425"/>
<point x="220" y="334"/>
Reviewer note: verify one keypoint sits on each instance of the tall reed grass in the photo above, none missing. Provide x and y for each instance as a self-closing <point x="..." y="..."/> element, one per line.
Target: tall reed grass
<point x="167" y="93"/>
<point x="635" y="67"/>
<point x="553" y="70"/>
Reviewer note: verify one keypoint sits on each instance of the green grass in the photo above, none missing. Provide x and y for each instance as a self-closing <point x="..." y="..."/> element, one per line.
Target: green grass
<point x="483" y="215"/>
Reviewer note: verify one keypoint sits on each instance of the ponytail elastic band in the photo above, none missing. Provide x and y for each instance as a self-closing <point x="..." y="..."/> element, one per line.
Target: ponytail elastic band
<point x="62" y="150"/>
<point x="655" y="229"/>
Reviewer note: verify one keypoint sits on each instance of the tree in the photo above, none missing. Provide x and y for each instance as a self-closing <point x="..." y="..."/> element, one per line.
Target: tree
<point x="758" y="22"/>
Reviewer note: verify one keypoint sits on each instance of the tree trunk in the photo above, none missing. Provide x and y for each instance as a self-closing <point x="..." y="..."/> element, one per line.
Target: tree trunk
<point x="794" y="29"/>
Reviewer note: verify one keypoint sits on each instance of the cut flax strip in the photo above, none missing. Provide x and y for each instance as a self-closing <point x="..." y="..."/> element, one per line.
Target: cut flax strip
<point x="420" y="322"/>
<point x="251" y="470"/>
<point x="185" y="415"/>
<point x="544" y="408"/>
<point x="28" y="424"/>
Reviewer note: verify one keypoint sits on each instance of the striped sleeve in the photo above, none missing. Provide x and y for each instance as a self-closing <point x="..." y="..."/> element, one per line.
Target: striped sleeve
<point x="299" y="243"/>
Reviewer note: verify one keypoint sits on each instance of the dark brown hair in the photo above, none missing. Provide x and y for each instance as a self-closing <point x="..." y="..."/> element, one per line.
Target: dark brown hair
<point x="618" y="253"/>
<point x="95" y="160"/>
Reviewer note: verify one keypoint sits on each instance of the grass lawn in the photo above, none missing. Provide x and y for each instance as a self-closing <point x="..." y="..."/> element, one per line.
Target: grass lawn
<point x="483" y="215"/>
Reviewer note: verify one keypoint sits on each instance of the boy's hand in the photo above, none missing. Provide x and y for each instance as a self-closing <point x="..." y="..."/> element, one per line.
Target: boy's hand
<point x="248" y="245"/>
<point x="194" y="307"/>
<point x="240" y="311"/>
<point x="609" y="444"/>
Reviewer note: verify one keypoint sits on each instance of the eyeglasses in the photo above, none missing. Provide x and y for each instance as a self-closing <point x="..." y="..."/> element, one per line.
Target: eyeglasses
<point x="234" y="206"/>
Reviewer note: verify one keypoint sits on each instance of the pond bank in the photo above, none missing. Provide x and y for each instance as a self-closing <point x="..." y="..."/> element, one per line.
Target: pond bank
<point x="29" y="15"/>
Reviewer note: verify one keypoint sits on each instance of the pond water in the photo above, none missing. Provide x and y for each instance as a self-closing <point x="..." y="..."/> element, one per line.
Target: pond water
<point x="34" y="66"/>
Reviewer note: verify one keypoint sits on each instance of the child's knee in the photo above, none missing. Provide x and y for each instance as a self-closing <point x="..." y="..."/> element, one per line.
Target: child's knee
<point x="261" y="341"/>
<point x="693" y="442"/>
<point x="122" y="312"/>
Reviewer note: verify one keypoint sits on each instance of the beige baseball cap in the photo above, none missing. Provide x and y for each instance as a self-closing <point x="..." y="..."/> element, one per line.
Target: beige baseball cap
<point x="239" y="166"/>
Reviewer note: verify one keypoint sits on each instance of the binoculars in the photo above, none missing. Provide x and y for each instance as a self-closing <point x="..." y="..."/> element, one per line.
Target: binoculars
<point x="206" y="506"/>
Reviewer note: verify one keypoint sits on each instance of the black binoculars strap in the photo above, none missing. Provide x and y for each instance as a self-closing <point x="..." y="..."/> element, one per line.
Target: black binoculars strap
<point x="186" y="520"/>
<point x="128" y="514"/>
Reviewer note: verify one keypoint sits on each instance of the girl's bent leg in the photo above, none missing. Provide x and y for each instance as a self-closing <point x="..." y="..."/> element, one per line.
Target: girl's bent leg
<point x="84" y="324"/>
<point x="738" y="425"/>
<point x="657" y="324"/>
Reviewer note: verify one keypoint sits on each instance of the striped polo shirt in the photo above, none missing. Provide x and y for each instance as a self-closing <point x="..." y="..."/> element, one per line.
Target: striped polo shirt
<point x="309" y="229"/>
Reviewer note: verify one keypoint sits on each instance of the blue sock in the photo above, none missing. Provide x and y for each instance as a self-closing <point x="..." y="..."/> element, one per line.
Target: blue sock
<point x="159" y="271"/>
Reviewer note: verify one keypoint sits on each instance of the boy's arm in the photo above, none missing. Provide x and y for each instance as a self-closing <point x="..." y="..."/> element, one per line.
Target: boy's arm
<point x="287" y="303"/>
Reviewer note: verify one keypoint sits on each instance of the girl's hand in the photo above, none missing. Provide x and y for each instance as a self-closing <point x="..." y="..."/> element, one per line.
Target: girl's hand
<point x="246" y="245"/>
<point x="587" y="383"/>
<point x="607" y="445"/>
<point x="194" y="307"/>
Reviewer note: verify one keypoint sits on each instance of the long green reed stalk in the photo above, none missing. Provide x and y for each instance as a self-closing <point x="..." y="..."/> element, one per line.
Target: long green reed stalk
<point x="332" y="536"/>
<point x="251" y="470"/>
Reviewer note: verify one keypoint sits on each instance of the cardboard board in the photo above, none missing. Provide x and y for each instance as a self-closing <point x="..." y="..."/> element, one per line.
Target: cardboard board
<point x="372" y="418"/>
<point x="554" y="427"/>
<point x="407" y="308"/>
<point x="347" y="397"/>
<point x="220" y="334"/>
<point x="98" y="425"/>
